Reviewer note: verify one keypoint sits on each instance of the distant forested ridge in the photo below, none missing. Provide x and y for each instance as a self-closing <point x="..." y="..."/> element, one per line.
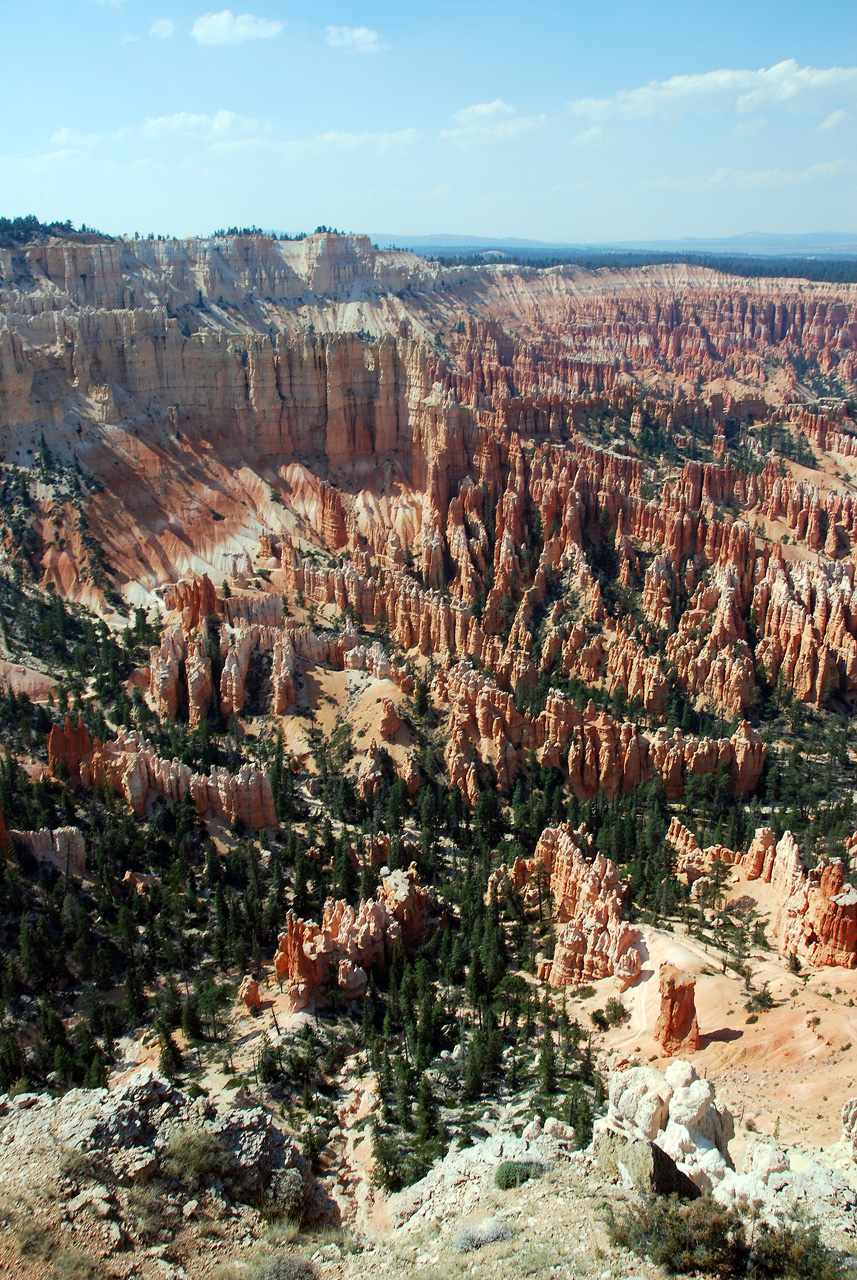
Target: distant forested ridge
<point x="29" y="230"/>
<point x="833" y="270"/>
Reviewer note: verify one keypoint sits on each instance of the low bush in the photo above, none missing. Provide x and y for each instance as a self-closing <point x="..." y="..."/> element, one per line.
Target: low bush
<point x="287" y="1266"/>
<point x="701" y="1238"/>
<point x="197" y="1157"/>
<point x="512" y="1173"/>
<point x="794" y="1252"/>
<point x="705" y="1238"/>
<point x="490" y="1231"/>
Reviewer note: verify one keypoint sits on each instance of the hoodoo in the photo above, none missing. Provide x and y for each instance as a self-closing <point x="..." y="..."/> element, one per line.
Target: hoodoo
<point x="399" y="657"/>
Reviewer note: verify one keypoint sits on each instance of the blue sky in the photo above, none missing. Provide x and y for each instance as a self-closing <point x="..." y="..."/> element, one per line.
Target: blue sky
<point x="615" y="119"/>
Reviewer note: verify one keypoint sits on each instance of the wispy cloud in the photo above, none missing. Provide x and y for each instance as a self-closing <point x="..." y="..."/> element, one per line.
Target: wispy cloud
<point x="227" y="27"/>
<point x="746" y="179"/>
<point x="746" y="128"/>
<point x="358" y="39"/>
<point x="593" y="134"/>
<point x="35" y="166"/>
<point x="66" y="137"/>
<point x="786" y="84"/>
<point x="486" y="122"/>
<point x="834" y="120"/>
<point x="181" y="124"/>
<point x="484" y="112"/>
<point x="190" y="124"/>
<point x="333" y="140"/>
<point x="162" y="29"/>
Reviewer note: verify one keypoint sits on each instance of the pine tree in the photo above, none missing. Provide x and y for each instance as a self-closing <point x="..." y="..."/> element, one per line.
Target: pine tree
<point x="427" y="1120"/>
<point x="191" y="1024"/>
<point x="547" y="1064"/>
<point x="170" y="1058"/>
<point x="403" y="1101"/>
<point x="301" y="896"/>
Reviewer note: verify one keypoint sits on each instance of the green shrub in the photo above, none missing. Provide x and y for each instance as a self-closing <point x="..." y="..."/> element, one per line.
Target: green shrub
<point x="704" y="1238"/>
<point x="700" y="1238"/>
<point x="614" y="1011"/>
<point x="287" y="1266"/>
<point x="794" y="1252"/>
<point x="196" y="1157"/>
<point x="511" y="1173"/>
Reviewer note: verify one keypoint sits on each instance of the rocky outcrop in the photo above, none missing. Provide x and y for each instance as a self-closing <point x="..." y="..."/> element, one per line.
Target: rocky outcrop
<point x="194" y="598"/>
<point x="676" y="1029"/>
<point x="371" y="771"/>
<point x="164" y="660"/>
<point x="63" y="848"/>
<point x="313" y="962"/>
<point x="592" y="939"/>
<point x="233" y="680"/>
<point x="594" y="749"/>
<point x="69" y="748"/>
<point x="125" y="1132"/>
<point x="817" y="921"/>
<point x="248" y="993"/>
<point x="678" y="1111"/>
<point x="691" y="862"/>
<point x="806" y="615"/>
<point x="199" y="678"/>
<point x="817" y="917"/>
<point x="131" y="767"/>
<point x="390" y="724"/>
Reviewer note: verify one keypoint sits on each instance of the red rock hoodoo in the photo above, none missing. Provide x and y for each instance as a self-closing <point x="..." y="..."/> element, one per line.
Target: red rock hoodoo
<point x="676" y="1030"/>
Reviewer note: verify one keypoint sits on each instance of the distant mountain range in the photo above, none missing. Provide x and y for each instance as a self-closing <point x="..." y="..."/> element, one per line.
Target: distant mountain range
<point x="828" y="244"/>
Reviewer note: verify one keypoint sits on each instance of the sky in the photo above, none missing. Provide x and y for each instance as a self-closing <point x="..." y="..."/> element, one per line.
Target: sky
<point x="559" y="121"/>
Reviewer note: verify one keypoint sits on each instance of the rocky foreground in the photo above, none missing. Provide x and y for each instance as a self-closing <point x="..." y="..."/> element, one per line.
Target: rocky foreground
<point x="144" y="1182"/>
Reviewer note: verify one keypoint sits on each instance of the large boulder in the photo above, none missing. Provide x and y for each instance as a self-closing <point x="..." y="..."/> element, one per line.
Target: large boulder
<point x="641" y="1164"/>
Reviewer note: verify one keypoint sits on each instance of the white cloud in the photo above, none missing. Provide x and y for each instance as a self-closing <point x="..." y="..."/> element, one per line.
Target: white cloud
<point x="66" y="137"/>
<point x="226" y="27"/>
<point x="589" y="135"/>
<point x="333" y="140"/>
<point x="182" y="124"/>
<point x="128" y="39"/>
<point x="834" y="120"/>
<point x="197" y="125"/>
<point x="484" y="112"/>
<point x="487" y="122"/>
<point x="746" y="128"/>
<point x="754" y="179"/>
<point x="359" y="39"/>
<point x="162" y="29"/>
<point x="350" y="141"/>
<point x="785" y="85"/>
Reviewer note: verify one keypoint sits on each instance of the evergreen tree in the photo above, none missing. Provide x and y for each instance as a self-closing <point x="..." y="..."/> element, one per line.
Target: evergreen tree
<point x="547" y="1064"/>
<point x="170" y="1058"/>
<point x="427" y="1119"/>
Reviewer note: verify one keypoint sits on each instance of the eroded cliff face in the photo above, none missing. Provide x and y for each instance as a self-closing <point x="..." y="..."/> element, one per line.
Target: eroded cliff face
<point x="462" y="459"/>
<point x="350" y="942"/>
<point x="816" y="913"/>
